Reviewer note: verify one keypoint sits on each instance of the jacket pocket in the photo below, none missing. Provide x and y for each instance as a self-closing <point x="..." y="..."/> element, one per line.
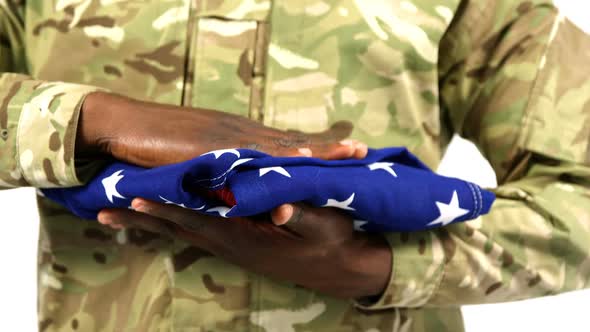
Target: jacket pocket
<point x="226" y="64"/>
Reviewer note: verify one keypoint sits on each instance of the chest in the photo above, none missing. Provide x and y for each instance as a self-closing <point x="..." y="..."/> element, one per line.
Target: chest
<point x="290" y="64"/>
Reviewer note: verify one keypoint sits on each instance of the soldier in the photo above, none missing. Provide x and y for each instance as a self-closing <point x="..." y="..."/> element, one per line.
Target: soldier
<point x="510" y="75"/>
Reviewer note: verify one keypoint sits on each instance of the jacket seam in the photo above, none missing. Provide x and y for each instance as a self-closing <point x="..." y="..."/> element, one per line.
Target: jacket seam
<point x="523" y="135"/>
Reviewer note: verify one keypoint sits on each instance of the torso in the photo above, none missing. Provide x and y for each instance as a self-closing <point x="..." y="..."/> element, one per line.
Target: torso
<point x="289" y="64"/>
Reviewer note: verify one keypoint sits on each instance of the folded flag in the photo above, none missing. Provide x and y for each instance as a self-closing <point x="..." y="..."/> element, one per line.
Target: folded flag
<point x="389" y="190"/>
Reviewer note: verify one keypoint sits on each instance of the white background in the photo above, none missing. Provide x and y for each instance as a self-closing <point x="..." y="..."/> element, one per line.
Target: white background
<point x="18" y="242"/>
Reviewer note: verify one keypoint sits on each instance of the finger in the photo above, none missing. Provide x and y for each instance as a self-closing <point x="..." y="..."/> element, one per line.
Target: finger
<point x="296" y="219"/>
<point x="323" y="224"/>
<point x="361" y="151"/>
<point x="338" y="131"/>
<point x="305" y="152"/>
<point x="333" y="143"/>
<point x="298" y="152"/>
<point x="223" y="237"/>
<point x="344" y="149"/>
<point x="282" y="214"/>
<point x="104" y="219"/>
<point x="327" y="151"/>
<point x="109" y="222"/>
<point x="125" y="218"/>
<point x="208" y="226"/>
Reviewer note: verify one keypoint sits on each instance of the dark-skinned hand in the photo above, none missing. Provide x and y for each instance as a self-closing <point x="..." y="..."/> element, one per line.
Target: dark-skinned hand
<point x="150" y="134"/>
<point x="344" y="263"/>
<point x="316" y="248"/>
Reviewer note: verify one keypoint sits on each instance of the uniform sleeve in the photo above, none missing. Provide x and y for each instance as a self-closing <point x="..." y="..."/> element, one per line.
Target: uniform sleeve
<point x="38" y="119"/>
<point x="515" y="80"/>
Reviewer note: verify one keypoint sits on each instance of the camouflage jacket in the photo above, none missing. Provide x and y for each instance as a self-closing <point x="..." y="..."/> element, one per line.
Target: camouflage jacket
<point x="510" y="75"/>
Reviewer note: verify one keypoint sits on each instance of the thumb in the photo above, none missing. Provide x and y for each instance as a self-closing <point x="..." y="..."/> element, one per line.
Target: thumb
<point x="296" y="218"/>
<point x="282" y="214"/>
<point x="324" y="224"/>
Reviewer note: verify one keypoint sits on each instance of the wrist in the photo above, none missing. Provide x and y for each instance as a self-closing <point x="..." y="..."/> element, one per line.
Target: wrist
<point x="369" y="264"/>
<point x="379" y="262"/>
<point x="92" y="125"/>
<point x="105" y="118"/>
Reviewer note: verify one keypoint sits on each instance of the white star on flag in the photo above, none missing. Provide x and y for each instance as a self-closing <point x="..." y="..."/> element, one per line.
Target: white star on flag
<point x="239" y="162"/>
<point x="384" y="166"/>
<point x="448" y="212"/>
<point x="167" y="201"/>
<point x="344" y="205"/>
<point x="219" y="153"/>
<point x="110" y="185"/>
<point x="280" y="170"/>
<point x="222" y="210"/>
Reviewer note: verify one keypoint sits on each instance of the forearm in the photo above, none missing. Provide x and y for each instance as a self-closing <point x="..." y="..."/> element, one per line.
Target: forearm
<point x="534" y="242"/>
<point x="134" y="131"/>
<point x="111" y="124"/>
<point x="528" y="113"/>
<point x="356" y="269"/>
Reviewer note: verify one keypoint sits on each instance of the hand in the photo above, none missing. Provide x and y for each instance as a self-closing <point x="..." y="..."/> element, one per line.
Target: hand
<point x="316" y="248"/>
<point x="150" y="135"/>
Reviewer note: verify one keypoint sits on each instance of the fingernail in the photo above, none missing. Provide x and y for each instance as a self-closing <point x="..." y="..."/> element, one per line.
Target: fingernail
<point x="305" y="151"/>
<point x="288" y="211"/>
<point x="137" y="204"/>
<point x="285" y="213"/>
<point x="362" y="147"/>
<point x="104" y="218"/>
<point x="347" y="142"/>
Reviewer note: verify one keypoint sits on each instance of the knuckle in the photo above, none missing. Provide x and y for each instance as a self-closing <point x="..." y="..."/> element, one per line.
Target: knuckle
<point x="297" y="216"/>
<point x="292" y="140"/>
<point x="252" y="146"/>
<point x="196" y="226"/>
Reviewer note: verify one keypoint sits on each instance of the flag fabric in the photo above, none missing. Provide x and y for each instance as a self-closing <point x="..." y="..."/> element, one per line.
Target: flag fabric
<point x="389" y="190"/>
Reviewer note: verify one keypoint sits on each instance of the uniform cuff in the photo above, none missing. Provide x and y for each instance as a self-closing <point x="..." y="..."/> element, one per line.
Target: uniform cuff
<point x="46" y="133"/>
<point x="418" y="266"/>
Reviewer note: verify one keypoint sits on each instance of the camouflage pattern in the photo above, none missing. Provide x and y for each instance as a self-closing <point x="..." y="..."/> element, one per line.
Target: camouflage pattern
<point x="510" y="75"/>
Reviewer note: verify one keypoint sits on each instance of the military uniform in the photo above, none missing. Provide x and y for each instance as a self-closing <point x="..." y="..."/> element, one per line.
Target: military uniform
<point x="510" y="75"/>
